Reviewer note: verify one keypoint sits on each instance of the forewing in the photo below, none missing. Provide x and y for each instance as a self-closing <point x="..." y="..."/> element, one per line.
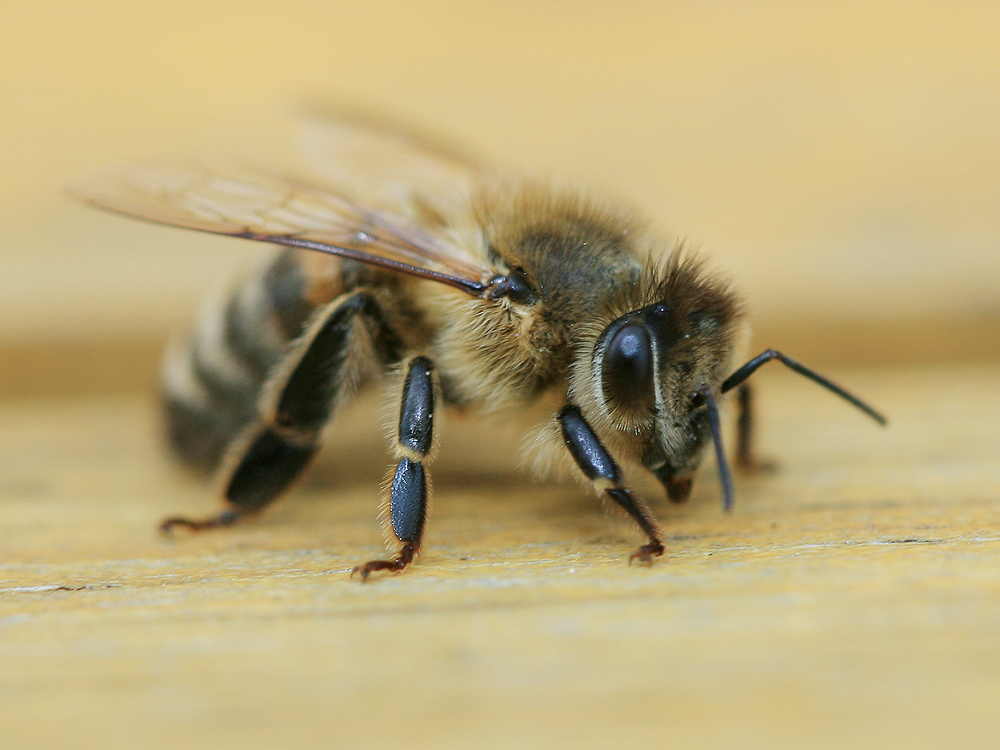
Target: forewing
<point x="387" y="165"/>
<point x="269" y="208"/>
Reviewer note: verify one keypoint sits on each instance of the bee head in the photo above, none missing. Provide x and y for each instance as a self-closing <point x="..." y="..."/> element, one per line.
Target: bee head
<point x="649" y="363"/>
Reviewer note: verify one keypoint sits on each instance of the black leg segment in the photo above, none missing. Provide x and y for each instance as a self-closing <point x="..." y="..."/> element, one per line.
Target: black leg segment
<point x="416" y="416"/>
<point x="271" y="463"/>
<point x="408" y="490"/>
<point x="585" y="447"/>
<point x="746" y="426"/>
<point x="599" y="467"/>
<point x="408" y="509"/>
<point x="313" y="384"/>
<point x="302" y="396"/>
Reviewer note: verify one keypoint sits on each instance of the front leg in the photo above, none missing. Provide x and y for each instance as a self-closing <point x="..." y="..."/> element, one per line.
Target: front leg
<point x="408" y="491"/>
<point x="600" y="468"/>
<point x="746" y="455"/>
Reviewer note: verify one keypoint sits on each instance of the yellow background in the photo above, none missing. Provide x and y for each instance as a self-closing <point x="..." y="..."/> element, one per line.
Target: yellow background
<point x="840" y="161"/>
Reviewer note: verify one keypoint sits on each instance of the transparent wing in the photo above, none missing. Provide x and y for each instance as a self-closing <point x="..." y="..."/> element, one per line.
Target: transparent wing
<point x="267" y="208"/>
<point x="386" y="165"/>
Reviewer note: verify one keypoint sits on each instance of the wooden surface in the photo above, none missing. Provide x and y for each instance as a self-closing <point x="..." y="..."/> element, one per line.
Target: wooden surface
<point x="852" y="600"/>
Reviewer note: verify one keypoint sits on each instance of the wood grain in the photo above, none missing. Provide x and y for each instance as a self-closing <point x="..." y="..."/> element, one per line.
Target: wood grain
<point x="851" y="599"/>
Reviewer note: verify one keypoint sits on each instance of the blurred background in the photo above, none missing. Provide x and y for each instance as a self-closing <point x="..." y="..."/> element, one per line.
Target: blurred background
<point x="840" y="161"/>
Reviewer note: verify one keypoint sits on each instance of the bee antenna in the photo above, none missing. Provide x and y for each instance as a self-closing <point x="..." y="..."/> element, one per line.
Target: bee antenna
<point x="750" y="367"/>
<point x="725" y="475"/>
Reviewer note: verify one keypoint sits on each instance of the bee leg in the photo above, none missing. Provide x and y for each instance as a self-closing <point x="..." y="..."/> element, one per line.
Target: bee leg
<point x="746" y="460"/>
<point x="408" y="490"/>
<point x="600" y="468"/>
<point x="301" y="398"/>
<point x="226" y="518"/>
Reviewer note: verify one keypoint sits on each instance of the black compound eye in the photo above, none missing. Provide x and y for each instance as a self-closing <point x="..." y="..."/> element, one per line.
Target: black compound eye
<point x="627" y="371"/>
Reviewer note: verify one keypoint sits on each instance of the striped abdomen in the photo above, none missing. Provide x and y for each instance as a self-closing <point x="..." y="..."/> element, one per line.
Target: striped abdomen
<point x="213" y="380"/>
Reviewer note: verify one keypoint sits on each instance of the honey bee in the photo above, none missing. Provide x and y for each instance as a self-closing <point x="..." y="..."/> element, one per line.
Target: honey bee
<point x="471" y="289"/>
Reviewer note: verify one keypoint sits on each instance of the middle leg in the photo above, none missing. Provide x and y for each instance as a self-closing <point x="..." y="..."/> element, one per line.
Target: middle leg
<point x="408" y="490"/>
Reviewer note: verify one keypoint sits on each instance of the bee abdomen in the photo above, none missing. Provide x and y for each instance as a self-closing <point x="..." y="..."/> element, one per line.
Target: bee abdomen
<point x="213" y="380"/>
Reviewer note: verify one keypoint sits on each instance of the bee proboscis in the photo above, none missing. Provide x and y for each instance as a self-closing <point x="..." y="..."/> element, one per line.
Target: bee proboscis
<point x="470" y="288"/>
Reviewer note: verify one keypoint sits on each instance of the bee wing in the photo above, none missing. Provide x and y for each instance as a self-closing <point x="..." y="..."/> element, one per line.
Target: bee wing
<point x="386" y="165"/>
<point x="284" y="211"/>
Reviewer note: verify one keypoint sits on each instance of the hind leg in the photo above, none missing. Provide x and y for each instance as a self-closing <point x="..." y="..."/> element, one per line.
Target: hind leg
<point x="345" y="341"/>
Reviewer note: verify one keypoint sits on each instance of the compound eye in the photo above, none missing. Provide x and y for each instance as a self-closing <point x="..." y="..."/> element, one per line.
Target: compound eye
<point x="627" y="371"/>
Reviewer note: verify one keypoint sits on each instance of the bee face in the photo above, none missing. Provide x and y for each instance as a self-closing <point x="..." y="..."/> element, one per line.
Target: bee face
<point x="678" y="333"/>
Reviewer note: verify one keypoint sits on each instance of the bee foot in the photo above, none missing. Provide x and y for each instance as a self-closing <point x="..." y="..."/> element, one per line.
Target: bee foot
<point x="395" y="565"/>
<point x="226" y="518"/>
<point x="646" y="553"/>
